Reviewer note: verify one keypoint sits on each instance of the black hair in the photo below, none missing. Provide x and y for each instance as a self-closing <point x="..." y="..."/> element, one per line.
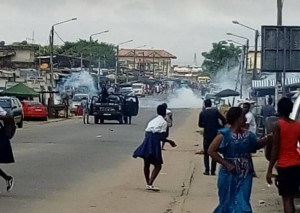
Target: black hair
<point x="270" y="100"/>
<point x="285" y="107"/>
<point x="161" y="110"/>
<point x="165" y="105"/>
<point x="207" y="103"/>
<point x="234" y="114"/>
<point x="247" y="105"/>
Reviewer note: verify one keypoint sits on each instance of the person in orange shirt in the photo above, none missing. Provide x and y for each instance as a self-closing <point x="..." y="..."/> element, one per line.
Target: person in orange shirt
<point x="286" y="156"/>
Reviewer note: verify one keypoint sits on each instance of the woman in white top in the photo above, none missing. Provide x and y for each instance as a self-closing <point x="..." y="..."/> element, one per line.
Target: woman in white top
<point x="150" y="149"/>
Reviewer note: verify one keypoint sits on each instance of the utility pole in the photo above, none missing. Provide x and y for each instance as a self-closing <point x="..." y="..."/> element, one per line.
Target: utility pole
<point x="117" y="65"/>
<point x="153" y="64"/>
<point x="254" y="77"/>
<point x="279" y="23"/>
<point x="51" y="57"/>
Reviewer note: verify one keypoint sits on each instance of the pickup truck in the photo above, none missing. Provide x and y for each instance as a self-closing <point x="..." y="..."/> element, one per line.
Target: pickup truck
<point x="116" y="107"/>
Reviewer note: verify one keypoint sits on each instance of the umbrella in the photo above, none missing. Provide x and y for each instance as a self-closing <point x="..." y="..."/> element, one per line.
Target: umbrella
<point x="227" y="93"/>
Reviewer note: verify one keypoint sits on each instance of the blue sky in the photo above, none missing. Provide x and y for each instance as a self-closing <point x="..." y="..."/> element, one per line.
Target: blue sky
<point x="182" y="27"/>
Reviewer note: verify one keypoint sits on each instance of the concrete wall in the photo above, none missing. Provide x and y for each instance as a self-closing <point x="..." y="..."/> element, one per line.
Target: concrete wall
<point x="23" y="56"/>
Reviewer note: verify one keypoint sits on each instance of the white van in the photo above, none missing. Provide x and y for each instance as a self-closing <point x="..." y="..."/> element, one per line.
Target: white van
<point x="139" y="89"/>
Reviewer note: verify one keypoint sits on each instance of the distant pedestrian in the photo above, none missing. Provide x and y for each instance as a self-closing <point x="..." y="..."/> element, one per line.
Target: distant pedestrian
<point x="169" y="119"/>
<point x="86" y="111"/>
<point x="7" y="131"/>
<point x="286" y="155"/>
<point x="211" y="120"/>
<point x="250" y="123"/>
<point x="236" y="172"/>
<point x="150" y="149"/>
<point x="267" y="110"/>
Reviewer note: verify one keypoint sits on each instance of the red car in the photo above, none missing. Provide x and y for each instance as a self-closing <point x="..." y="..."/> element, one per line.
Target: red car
<point x="34" y="109"/>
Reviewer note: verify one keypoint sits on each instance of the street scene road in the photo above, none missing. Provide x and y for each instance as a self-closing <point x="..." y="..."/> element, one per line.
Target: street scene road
<point x="70" y="167"/>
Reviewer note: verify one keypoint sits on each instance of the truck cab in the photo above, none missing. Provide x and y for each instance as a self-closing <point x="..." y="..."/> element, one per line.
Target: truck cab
<point x="116" y="107"/>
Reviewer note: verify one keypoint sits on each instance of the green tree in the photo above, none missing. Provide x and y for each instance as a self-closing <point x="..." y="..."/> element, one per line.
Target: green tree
<point x="89" y="50"/>
<point x="217" y="57"/>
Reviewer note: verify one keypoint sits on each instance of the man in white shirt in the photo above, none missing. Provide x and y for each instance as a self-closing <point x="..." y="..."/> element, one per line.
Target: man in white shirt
<point x="250" y="119"/>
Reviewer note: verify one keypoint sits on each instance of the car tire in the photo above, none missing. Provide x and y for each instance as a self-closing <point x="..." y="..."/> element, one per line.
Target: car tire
<point x="101" y="121"/>
<point x="20" y="125"/>
<point x="121" y="120"/>
<point x="96" y="120"/>
<point x="45" y="119"/>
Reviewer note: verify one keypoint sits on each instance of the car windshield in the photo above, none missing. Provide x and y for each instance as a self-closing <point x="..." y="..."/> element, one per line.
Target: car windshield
<point x="5" y="103"/>
<point x="79" y="97"/>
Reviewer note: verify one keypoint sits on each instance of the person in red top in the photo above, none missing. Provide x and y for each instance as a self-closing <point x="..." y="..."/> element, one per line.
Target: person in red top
<point x="285" y="154"/>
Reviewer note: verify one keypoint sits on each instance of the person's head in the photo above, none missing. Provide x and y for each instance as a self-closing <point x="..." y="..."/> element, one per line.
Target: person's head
<point x="207" y="103"/>
<point x="270" y="101"/>
<point x="285" y="107"/>
<point x="235" y="116"/>
<point x="246" y="107"/>
<point x="161" y="110"/>
<point x="165" y="105"/>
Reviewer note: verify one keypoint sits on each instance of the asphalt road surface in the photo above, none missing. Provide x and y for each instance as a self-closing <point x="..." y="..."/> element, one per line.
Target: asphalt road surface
<point x="53" y="158"/>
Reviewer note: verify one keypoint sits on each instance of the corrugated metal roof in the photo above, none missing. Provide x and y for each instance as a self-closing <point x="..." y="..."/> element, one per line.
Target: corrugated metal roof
<point x="269" y="84"/>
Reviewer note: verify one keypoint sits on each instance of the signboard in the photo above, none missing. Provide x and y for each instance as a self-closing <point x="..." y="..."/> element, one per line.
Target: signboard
<point x="280" y="49"/>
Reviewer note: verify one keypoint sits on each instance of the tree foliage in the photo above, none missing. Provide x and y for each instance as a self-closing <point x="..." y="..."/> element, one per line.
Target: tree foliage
<point x="90" y="50"/>
<point x="218" y="56"/>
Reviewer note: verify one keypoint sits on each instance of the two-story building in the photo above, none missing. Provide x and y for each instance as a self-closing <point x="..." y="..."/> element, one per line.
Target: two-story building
<point x="146" y="62"/>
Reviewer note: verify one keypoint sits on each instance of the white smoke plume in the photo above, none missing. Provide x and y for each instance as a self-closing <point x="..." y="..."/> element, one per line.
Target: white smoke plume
<point x="183" y="98"/>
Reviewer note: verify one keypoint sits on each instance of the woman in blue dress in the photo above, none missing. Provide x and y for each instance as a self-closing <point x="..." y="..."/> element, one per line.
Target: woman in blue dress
<point x="236" y="173"/>
<point x="150" y="149"/>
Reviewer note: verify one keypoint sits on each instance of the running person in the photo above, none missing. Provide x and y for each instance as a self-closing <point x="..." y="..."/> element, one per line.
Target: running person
<point x="169" y="119"/>
<point x="86" y="111"/>
<point x="150" y="149"/>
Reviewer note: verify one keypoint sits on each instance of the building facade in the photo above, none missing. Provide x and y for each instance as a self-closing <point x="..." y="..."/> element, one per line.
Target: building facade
<point x="147" y="62"/>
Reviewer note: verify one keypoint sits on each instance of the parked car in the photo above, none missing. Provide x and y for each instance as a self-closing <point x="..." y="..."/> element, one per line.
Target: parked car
<point x="34" y="109"/>
<point x="13" y="107"/>
<point x="76" y="101"/>
<point x="126" y="91"/>
<point x="138" y="89"/>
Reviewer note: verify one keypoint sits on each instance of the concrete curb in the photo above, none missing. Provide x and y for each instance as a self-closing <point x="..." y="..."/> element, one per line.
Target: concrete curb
<point x="178" y="205"/>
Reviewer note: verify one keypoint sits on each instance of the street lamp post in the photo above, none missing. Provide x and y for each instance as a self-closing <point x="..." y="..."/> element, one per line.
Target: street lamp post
<point x="254" y="75"/>
<point x="51" y="40"/>
<point x="91" y="40"/>
<point x="117" y="59"/>
<point x="245" y="60"/>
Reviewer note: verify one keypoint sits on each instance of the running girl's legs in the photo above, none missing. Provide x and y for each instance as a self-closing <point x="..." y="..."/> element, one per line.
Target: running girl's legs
<point x="4" y="175"/>
<point x="154" y="174"/>
<point x="147" y="171"/>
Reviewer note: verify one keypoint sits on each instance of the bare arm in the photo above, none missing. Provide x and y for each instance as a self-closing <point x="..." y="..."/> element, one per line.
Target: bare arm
<point x="212" y="151"/>
<point x="274" y="152"/>
<point x="261" y="143"/>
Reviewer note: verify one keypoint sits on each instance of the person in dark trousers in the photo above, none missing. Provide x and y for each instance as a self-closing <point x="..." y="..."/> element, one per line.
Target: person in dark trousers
<point x="7" y="131"/>
<point x="211" y="120"/>
<point x="267" y="110"/>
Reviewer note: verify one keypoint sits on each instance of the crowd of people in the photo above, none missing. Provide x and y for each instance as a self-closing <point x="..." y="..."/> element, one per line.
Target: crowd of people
<point x="231" y="141"/>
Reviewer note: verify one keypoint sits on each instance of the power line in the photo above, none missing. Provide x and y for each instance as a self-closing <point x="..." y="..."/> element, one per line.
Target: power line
<point x="59" y="37"/>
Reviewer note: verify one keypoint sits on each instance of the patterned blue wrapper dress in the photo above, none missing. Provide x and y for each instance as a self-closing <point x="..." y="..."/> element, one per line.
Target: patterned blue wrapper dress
<point x="235" y="186"/>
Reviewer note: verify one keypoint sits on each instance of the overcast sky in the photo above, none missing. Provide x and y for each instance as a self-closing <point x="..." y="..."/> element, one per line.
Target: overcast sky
<point x="182" y="27"/>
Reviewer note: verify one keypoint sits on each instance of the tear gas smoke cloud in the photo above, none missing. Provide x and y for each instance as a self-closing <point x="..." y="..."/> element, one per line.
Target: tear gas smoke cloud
<point x="76" y="79"/>
<point x="183" y="98"/>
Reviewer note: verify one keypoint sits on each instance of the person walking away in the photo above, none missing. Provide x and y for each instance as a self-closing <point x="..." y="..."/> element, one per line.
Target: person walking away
<point x="250" y="123"/>
<point x="150" y="149"/>
<point x="86" y="111"/>
<point x="209" y="120"/>
<point x="236" y="172"/>
<point x="169" y="119"/>
<point x="286" y="155"/>
<point x="7" y="131"/>
<point x="267" y="110"/>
